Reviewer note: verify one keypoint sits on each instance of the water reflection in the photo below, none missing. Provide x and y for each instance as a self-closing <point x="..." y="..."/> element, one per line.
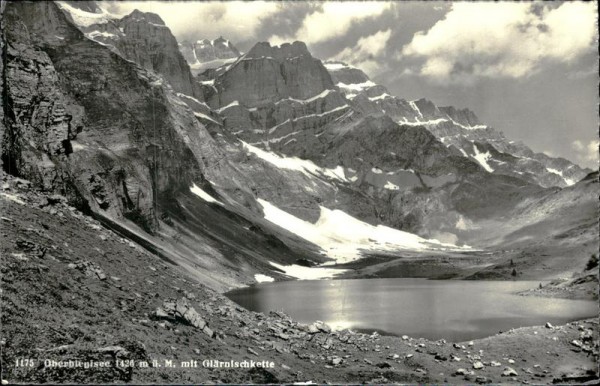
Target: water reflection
<point x="454" y="310"/>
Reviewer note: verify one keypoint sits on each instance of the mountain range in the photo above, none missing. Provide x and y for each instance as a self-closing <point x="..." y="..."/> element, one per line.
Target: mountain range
<point x="143" y="178"/>
<point x="228" y="163"/>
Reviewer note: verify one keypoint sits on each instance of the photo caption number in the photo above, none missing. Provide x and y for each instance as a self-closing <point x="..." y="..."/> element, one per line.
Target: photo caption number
<point x="24" y="362"/>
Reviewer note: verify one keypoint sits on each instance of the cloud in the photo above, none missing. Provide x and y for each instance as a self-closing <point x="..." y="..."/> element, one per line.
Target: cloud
<point x="367" y="53"/>
<point x="333" y="19"/>
<point x="235" y="20"/>
<point x="586" y="152"/>
<point x="502" y="40"/>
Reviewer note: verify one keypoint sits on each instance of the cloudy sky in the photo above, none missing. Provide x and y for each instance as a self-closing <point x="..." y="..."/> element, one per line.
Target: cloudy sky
<point x="528" y="69"/>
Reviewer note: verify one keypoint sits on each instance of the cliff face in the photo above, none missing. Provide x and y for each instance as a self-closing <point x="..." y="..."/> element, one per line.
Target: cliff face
<point x="119" y="143"/>
<point x="97" y="129"/>
<point x="267" y="74"/>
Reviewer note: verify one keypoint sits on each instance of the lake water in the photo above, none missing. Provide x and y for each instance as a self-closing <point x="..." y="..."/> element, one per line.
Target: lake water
<point x="433" y="309"/>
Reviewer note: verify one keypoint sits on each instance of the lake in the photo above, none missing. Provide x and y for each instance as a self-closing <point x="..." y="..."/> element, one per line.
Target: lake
<point x="433" y="309"/>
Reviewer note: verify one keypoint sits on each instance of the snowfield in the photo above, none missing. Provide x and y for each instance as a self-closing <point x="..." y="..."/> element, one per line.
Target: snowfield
<point x="344" y="238"/>
<point x="86" y="19"/>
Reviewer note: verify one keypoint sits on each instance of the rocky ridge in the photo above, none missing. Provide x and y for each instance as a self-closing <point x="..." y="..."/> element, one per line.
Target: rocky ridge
<point x="141" y="37"/>
<point x="459" y="129"/>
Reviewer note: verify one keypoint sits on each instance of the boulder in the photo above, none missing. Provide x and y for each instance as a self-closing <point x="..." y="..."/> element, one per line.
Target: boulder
<point x="509" y="372"/>
<point x="478" y="365"/>
<point x="181" y="310"/>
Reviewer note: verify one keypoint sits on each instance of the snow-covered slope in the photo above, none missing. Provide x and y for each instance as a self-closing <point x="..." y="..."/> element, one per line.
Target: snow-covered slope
<point x="345" y="238"/>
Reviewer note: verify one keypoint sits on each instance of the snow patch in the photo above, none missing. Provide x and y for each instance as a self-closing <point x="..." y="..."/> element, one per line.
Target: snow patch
<point x="335" y="66"/>
<point x="323" y="94"/>
<point x="414" y="106"/>
<point x="95" y="34"/>
<point x="204" y="116"/>
<point x="482" y="158"/>
<point x="293" y="163"/>
<point x="232" y="104"/>
<point x="203" y="195"/>
<point x="377" y="171"/>
<point x="382" y="96"/>
<point x="568" y="181"/>
<point x="260" y="278"/>
<point x="356" y="86"/>
<point x="391" y="186"/>
<point x="181" y="95"/>
<point x="307" y="273"/>
<point x="421" y="123"/>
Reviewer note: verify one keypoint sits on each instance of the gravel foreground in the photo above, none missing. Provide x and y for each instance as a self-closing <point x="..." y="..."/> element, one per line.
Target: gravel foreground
<point x="80" y="304"/>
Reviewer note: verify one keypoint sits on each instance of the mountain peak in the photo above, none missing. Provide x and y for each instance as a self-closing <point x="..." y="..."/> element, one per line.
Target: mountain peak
<point x="87" y="6"/>
<point x="285" y="50"/>
<point x="149" y="17"/>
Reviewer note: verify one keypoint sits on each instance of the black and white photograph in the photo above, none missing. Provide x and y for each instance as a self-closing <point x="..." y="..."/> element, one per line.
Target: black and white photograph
<point x="299" y="192"/>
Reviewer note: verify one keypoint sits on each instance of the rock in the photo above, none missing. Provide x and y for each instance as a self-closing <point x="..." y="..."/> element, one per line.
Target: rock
<point x="252" y="351"/>
<point x="495" y="364"/>
<point x="283" y="336"/>
<point x="470" y="343"/>
<point x="181" y="310"/>
<point x="285" y="367"/>
<point x="313" y="329"/>
<point x="383" y="365"/>
<point x="509" y="372"/>
<point x="482" y="379"/>
<point x="441" y="357"/>
<point x="408" y="356"/>
<point x="208" y="332"/>
<point x="576" y="343"/>
<point x="548" y="325"/>
<point x="112" y="349"/>
<point x="335" y="361"/>
<point x="478" y="365"/>
<point x="197" y="351"/>
<point x="393" y="356"/>
<point x="324" y="328"/>
<point x="404" y="337"/>
<point x="461" y="371"/>
<point x="511" y="361"/>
